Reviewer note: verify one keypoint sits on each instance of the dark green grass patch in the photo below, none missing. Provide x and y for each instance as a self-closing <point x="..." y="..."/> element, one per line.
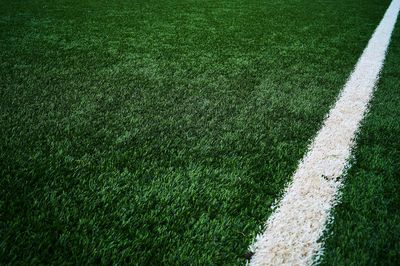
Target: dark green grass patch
<point x="366" y="228"/>
<point x="149" y="132"/>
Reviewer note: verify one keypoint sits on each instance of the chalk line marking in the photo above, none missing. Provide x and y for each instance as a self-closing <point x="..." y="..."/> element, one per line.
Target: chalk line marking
<point x="292" y="232"/>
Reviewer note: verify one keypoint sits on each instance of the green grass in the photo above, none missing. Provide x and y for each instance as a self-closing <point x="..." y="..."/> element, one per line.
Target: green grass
<point x="160" y="132"/>
<point x="366" y="228"/>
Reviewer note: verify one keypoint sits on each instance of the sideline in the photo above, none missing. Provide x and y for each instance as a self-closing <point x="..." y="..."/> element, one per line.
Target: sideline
<point x="292" y="232"/>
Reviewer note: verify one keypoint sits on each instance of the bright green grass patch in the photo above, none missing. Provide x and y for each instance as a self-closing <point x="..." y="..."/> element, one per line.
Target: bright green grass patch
<point x="156" y="132"/>
<point x="366" y="228"/>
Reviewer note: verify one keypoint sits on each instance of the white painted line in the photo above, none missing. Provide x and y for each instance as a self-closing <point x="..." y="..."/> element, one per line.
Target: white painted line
<point x="293" y="230"/>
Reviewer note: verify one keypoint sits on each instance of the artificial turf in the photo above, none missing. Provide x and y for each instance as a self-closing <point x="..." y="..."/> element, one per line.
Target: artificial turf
<point x="160" y="132"/>
<point x="366" y="223"/>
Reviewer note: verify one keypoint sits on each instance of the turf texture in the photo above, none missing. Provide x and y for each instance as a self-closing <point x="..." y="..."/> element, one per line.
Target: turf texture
<point x="160" y="132"/>
<point x="366" y="224"/>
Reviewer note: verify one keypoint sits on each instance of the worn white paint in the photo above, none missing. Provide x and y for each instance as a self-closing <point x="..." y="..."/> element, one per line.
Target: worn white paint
<point x="292" y="232"/>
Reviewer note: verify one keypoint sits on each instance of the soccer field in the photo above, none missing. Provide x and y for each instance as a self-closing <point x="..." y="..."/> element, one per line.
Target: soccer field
<point x="163" y="132"/>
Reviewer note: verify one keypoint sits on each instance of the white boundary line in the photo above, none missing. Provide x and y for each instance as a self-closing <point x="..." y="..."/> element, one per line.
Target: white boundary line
<point x="292" y="232"/>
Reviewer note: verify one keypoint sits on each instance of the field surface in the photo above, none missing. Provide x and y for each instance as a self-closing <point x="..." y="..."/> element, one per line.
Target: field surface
<point x="161" y="132"/>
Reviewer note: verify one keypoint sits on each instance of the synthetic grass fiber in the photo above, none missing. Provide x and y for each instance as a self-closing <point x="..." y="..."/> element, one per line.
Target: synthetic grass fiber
<point x="160" y="132"/>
